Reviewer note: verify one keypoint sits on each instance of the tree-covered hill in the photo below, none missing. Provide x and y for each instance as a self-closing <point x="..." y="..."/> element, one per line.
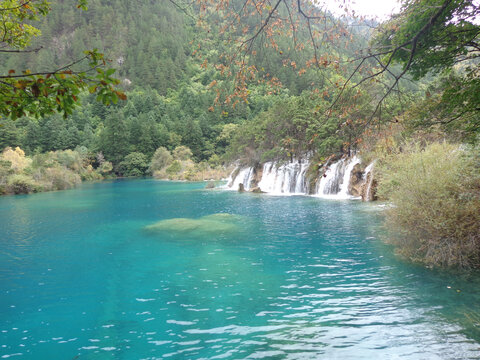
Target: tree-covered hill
<point x="147" y="42"/>
<point x="169" y="66"/>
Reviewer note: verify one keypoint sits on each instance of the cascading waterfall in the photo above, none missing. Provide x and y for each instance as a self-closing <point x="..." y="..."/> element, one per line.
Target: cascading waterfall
<point x="368" y="178"/>
<point x="290" y="178"/>
<point x="286" y="179"/>
<point x="344" y="193"/>
<point x="244" y="177"/>
<point x="329" y="182"/>
<point x="334" y="183"/>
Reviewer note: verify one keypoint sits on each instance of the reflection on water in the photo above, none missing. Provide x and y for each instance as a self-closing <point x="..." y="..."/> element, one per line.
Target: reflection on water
<point x="298" y="278"/>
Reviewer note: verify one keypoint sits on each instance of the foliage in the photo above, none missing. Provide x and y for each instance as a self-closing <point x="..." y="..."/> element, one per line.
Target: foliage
<point x="104" y="167"/>
<point x="134" y="164"/>
<point x="42" y="92"/>
<point x="143" y="123"/>
<point x="435" y="193"/>
<point x="17" y="159"/>
<point x="174" y="168"/>
<point x="114" y="28"/>
<point x="21" y="184"/>
<point x="298" y="44"/>
<point x="431" y="35"/>
<point x="162" y="158"/>
<point x="451" y="103"/>
<point x="180" y="166"/>
<point x="57" y="170"/>
<point x="437" y="36"/>
<point x="59" y="178"/>
<point x="182" y="153"/>
<point x="295" y="127"/>
<point x="176" y="111"/>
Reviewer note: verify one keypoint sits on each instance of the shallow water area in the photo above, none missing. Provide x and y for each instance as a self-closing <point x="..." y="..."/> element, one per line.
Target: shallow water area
<point x="218" y="275"/>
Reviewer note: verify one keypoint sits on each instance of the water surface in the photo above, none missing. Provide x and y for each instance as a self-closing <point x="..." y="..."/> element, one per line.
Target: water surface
<point x="161" y="270"/>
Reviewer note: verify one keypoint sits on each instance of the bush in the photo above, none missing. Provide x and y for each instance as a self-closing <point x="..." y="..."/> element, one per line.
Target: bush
<point x="435" y="191"/>
<point x="105" y="167"/>
<point x="45" y="160"/>
<point x="174" y="168"/>
<point x="5" y="171"/>
<point x="60" y="178"/>
<point x="70" y="159"/>
<point x="16" y="158"/>
<point x="134" y="164"/>
<point x="182" y="153"/>
<point x="21" y="184"/>
<point x="161" y="159"/>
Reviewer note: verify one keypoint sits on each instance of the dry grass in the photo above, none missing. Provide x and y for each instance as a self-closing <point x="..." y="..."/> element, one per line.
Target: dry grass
<point x="436" y="195"/>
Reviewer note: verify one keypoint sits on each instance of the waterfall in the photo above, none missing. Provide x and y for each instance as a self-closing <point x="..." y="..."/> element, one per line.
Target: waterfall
<point x="290" y="178"/>
<point x="286" y="179"/>
<point x="368" y="178"/>
<point x="244" y="177"/>
<point x="334" y="183"/>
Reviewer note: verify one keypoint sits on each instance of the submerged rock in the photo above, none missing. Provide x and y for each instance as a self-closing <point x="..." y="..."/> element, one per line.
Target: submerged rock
<point x="206" y="225"/>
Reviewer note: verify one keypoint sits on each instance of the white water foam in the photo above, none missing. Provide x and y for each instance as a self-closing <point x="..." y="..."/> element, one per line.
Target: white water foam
<point x="286" y="179"/>
<point x="334" y="184"/>
<point x="290" y="179"/>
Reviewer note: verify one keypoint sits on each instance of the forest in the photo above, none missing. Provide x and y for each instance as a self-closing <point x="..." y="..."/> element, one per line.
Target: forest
<point x="182" y="90"/>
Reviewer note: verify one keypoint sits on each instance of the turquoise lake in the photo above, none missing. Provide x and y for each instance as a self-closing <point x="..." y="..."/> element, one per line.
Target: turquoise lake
<point x="145" y="269"/>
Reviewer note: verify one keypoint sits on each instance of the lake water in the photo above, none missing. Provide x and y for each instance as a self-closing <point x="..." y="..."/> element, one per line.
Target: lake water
<point x="161" y="270"/>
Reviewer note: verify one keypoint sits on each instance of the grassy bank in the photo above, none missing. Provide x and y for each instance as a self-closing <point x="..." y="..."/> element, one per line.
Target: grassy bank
<point x="61" y="170"/>
<point x="55" y="170"/>
<point x="435" y="192"/>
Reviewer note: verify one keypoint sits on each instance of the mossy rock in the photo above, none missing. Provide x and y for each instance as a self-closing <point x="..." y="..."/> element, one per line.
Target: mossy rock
<point x="215" y="224"/>
<point x="210" y="185"/>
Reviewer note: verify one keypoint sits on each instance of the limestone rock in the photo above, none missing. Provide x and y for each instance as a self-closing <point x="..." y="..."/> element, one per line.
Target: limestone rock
<point x="357" y="182"/>
<point x="210" y="185"/>
<point x="257" y="190"/>
<point x="257" y="175"/>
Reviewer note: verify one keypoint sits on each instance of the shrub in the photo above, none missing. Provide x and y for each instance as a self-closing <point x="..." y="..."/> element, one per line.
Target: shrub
<point x="161" y="159"/>
<point x="214" y="160"/>
<point x="70" y="159"/>
<point x="17" y="159"/>
<point x="60" y="178"/>
<point x="5" y="171"/>
<point x="105" y="167"/>
<point x="45" y="160"/>
<point x="174" y="168"/>
<point x="134" y="164"/>
<point x="182" y="153"/>
<point x="435" y="191"/>
<point x="21" y="184"/>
